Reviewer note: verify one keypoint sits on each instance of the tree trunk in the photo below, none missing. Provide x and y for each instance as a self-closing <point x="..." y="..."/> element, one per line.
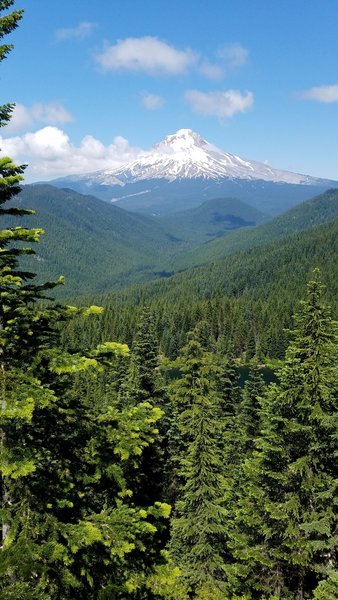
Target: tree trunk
<point x="300" y="589"/>
<point x="4" y="496"/>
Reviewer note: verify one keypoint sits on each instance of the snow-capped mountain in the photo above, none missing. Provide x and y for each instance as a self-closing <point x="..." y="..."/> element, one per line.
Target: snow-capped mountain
<point x="186" y="155"/>
<point x="196" y="170"/>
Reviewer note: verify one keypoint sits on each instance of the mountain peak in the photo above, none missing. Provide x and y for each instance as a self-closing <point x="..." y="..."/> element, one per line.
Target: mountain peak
<point x="185" y="137"/>
<point x="183" y="141"/>
<point x="186" y="155"/>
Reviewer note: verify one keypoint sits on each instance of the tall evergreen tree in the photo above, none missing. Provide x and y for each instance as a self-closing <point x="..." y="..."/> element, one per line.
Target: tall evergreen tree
<point x="143" y="383"/>
<point x="248" y="416"/>
<point x="143" y="378"/>
<point x="198" y="527"/>
<point x="8" y="22"/>
<point x="287" y="536"/>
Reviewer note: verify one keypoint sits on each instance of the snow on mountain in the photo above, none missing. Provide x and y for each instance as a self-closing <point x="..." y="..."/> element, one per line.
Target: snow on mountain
<point x="184" y="170"/>
<point x="186" y="155"/>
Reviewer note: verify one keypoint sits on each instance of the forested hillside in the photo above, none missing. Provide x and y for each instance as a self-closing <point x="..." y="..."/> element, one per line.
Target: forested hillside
<point x="211" y="219"/>
<point x="98" y="246"/>
<point x="317" y="210"/>
<point x="92" y="243"/>
<point x="245" y="301"/>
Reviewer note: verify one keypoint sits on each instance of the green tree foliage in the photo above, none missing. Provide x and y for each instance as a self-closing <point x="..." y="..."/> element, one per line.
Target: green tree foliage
<point x="327" y="589"/>
<point x="8" y="22"/>
<point x="198" y="527"/>
<point x="68" y="526"/>
<point x="248" y="417"/>
<point x="287" y="537"/>
<point x="143" y="384"/>
<point x="143" y="377"/>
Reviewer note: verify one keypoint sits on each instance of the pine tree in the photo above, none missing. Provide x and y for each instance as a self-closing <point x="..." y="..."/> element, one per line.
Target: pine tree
<point x="244" y="432"/>
<point x="287" y="538"/>
<point x="8" y="23"/>
<point x="143" y="378"/>
<point x="144" y="383"/>
<point x="247" y="420"/>
<point x="198" y="528"/>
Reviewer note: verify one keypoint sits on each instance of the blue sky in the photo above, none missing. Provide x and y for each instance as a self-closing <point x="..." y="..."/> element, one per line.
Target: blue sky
<point x="97" y="82"/>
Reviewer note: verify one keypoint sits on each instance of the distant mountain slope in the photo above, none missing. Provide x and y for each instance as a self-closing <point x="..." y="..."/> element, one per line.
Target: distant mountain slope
<point x="166" y="197"/>
<point x="98" y="246"/>
<point x="321" y="209"/>
<point x="245" y="301"/>
<point x="186" y="155"/>
<point x="94" y="244"/>
<point x="184" y="170"/>
<point x="257" y="289"/>
<point x="211" y="219"/>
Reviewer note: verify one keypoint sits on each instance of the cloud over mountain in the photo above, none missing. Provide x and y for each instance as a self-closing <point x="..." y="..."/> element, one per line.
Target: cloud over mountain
<point x="220" y="104"/>
<point x="50" y="153"/>
<point x="146" y="54"/>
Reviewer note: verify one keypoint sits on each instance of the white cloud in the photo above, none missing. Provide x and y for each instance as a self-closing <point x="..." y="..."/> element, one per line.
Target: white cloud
<point x="147" y="54"/>
<point x="228" y="58"/>
<point x="39" y="113"/>
<point x="151" y="101"/>
<point x="219" y="104"/>
<point x="233" y="55"/>
<point x="322" y="93"/>
<point x="155" y="57"/>
<point x="211" y="70"/>
<point x="79" y="32"/>
<point x="50" y="153"/>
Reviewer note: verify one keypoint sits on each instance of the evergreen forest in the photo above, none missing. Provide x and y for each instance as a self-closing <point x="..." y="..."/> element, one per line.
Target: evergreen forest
<point x="170" y="439"/>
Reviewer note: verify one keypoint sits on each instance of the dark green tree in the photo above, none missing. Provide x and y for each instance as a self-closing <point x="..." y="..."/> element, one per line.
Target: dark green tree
<point x="248" y="416"/>
<point x="8" y="22"/>
<point x="199" y="527"/>
<point x="143" y="382"/>
<point x="287" y="535"/>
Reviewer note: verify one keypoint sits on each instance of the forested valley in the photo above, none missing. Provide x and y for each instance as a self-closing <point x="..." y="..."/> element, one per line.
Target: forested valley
<point x="173" y="439"/>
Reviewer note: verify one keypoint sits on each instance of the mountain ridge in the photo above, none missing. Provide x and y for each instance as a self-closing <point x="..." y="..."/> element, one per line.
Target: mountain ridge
<point x="183" y="170"/>
<point x="187" y="155"/>
<point x="211" y="219"/>
<point x="104" y="246"/>
<point x="311" y="213"/>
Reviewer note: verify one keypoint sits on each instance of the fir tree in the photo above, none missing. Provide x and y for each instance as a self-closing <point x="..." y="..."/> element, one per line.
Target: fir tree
<point x="247" y="421"/>
<point x="8" y="23"/>
<point x="142" y="382"/>
<point x="198" y="528"/>
<point x="287" y="539"/>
